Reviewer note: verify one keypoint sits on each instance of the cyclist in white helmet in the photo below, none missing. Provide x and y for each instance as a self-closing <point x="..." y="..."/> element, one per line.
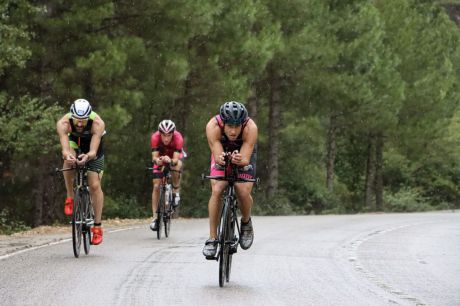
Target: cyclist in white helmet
<point x="83" y="129"/>
<point x="167" y="148"/>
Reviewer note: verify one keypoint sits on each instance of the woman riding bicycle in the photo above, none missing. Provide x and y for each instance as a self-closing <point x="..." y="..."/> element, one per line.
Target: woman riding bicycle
<point x="167" y="148"/>
<point x="231" y="132"/>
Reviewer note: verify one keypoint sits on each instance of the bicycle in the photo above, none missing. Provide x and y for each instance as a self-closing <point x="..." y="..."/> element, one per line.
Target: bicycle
<point x="83" y="211"/>
<point x="226" y="237"/>
<point x="165" y="208"/>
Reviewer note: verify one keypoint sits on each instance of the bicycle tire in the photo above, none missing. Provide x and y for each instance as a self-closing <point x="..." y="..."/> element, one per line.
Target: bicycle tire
<point x="167" y="221"/>
<point x="77" y="218"/>
<point x="231" y="233"/>
<point x="89" y="219"/>
<point x="224" y="246"/>
<point x="168" y="216"/>
<point x="160" y="212"/>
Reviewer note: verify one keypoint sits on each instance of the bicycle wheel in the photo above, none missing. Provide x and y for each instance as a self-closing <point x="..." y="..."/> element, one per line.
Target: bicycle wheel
<point x="77" y="219"/>
<point x="88" y="217"/>
<point x="231" y="235"/>
<point x="160" y="212"/>
<point x="223" y="242"/>
<point x="167" y="221"/>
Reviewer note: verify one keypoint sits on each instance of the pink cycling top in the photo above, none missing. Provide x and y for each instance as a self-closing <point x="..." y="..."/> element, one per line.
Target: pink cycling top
<point x="176" y="144"/>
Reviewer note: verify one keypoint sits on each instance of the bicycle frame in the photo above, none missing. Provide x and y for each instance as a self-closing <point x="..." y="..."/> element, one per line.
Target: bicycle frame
<point x="83" y="213"/>
<point x="165" y="206"/>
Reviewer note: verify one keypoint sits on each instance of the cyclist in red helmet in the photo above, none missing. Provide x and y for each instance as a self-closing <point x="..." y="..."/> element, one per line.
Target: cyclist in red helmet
<point x="83" y="129"/>
<point x="167" y="148"/>
<point x="231" y="131"/>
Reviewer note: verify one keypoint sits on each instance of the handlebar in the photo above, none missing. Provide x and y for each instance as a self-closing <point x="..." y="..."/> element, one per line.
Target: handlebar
<point x="224" y="178"/>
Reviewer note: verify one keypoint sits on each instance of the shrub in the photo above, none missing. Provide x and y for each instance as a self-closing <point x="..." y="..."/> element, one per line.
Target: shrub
<point x="9" y="225"/>
<point x="405" y="200"/>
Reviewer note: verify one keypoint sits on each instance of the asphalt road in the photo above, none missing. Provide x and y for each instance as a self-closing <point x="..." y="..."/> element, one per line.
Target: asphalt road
<point x="371" y="259"/>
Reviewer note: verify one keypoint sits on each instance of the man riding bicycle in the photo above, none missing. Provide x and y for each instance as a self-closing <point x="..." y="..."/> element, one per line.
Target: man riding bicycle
<point x="83" y="129"/>
<point x="167" y="148"/>
<point x="231" y="133"/>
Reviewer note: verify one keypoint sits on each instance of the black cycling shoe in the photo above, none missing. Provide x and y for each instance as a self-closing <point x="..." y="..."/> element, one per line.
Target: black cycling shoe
<point x="210" y="248"/>
<point x="247" y="234"/>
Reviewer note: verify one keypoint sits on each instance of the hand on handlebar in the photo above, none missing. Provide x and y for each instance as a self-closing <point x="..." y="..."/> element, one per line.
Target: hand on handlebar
<point x="221" y="158"/>
<point x="164" y="160"/>
<point x="82" y="159"/>
<point x="236" y="157"/>
<point x="69" y="158"/>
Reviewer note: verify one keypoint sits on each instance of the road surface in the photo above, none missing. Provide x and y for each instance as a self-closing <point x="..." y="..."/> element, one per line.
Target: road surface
<point x="369" y="259"/>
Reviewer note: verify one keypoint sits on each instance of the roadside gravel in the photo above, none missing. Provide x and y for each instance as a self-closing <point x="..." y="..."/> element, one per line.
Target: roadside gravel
<point x="45" y="235"/>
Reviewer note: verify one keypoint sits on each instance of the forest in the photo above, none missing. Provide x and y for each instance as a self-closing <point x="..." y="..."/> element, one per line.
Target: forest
<point x="357" y="102"/>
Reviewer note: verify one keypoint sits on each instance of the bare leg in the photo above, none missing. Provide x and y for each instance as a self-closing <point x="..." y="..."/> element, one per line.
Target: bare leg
<point x="243" y="192"/>
<point x="155" y="196"/>
<point x="68" y="177"/>
<point x="176" y="176"/>
<point x="214" y="206"/>
<point x="97" y="196"/>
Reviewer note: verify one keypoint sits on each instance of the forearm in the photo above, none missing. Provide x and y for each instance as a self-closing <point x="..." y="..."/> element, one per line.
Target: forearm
<point x="93" y="147"/>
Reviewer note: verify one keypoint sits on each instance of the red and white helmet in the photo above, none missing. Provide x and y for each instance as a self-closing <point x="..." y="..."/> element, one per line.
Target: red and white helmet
<point x="166" y="126"/>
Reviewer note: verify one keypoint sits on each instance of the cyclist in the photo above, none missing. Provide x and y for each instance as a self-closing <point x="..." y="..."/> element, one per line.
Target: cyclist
<point x="167" y="148"/>
<point x="82" y="128"/>
<point x="231" y="132"/>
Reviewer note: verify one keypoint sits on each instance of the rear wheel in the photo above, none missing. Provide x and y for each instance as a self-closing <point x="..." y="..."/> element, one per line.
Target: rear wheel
<point x="77" y="220"/>
<point x="223" y="243"/>
<point x="89" y="221"/>
<point x="160" y="212"/>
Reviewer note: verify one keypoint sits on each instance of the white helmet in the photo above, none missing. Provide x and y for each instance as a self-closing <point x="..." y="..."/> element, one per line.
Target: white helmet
<point x="166" y="126"/>
<point x="80" y="109"/>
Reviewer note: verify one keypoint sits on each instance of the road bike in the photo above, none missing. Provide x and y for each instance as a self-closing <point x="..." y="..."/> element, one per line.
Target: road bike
<point x="229" y="229"/>
<point x="83" y="211"/>
<point x="165" y="208"/>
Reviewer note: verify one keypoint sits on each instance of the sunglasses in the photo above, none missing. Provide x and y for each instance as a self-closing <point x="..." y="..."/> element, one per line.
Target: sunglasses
<point x="76" y="121"/>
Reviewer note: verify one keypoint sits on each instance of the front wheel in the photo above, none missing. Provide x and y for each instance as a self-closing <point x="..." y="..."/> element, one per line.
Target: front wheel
<point x="89" y="221"/>
<point x="160" y="213"/>
<point x="77" y="223"/>
<point x="231" y="234"/>
<point x="223" y="243"/>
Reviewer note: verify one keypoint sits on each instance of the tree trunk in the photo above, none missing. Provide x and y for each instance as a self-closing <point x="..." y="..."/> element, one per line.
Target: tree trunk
<point x="370" y="173"/>
<point x="273" y="132"/>
<point x="331" y="151"/>
<point x="253" y="102"/>
<point x="379" y="172"/>
<point x="45" y="193"/>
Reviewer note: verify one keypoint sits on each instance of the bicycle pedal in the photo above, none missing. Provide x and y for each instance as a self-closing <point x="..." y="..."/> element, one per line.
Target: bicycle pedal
<point x="211" y="257"/>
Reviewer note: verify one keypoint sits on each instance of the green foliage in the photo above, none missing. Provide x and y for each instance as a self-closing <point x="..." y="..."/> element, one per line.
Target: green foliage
<point x="126" y="207"/>
<point x="9" y="224"/>
<point x="23" y="122"/>
<point x="276" y="206"/>
<point x="378" y="67"/>
<point x="405" y="200"/>
<point x="13" y="34"/>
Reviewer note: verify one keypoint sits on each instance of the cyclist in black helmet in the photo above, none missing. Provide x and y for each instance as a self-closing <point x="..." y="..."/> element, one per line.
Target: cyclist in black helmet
<point x="83" y="129"/>
<point x="231" y="132"/>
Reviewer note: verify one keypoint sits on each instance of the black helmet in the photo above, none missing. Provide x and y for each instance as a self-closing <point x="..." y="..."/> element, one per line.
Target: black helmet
<point x="233" y="113"/>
